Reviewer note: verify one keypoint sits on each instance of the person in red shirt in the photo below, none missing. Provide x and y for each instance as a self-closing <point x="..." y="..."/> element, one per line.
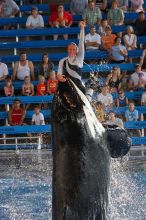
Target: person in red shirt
<point x="41" y="87"/>
<point x="60" y="18"/>
<point x="52" y="83"/>
<point x="16" y="114"/>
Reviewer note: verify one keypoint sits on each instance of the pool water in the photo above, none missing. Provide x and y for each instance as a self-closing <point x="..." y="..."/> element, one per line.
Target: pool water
<point x="25" y="187"/>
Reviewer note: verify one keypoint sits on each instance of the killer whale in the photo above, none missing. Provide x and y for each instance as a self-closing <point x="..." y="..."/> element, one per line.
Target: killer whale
<point x="81" y="157"/>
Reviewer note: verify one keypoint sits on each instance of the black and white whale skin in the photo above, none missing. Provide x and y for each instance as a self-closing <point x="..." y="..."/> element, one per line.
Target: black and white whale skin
<point x="81" y="158"/>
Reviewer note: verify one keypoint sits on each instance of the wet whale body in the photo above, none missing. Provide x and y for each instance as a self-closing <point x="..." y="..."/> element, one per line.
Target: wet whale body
<point x="81" y="158"/>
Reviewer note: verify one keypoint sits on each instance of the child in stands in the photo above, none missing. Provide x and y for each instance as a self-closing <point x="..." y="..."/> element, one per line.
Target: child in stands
<point x="52" y="83"/>
<point x="8" y="88"/>
<point x="27" y="87"/>
<point x="41" y="87"/>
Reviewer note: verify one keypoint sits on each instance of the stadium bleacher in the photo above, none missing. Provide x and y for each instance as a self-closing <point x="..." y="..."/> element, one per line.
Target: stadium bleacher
<point x="44" y="8"/>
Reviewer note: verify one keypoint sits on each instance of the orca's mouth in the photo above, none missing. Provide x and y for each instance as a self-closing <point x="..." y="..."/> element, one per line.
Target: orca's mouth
<point x="69" y="96"/>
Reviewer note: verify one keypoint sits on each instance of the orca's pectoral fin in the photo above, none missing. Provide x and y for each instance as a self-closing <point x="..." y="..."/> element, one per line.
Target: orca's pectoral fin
<point x="119" y="142"/>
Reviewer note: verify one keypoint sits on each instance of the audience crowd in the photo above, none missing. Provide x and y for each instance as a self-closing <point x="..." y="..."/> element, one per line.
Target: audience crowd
<point x="99" y="37"/>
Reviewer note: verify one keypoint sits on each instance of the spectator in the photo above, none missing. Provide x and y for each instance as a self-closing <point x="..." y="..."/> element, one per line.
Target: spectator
<point x="16" y="114"/>
<point x="27" y="87"/>
<point x="140" y="24"/>
<point x="3" y="71"/>
<point x="92" y="40"/>
<point x="52" y="83"/>
<point x="118" y="52"/>
<point x="37" y="117"/>
<point x="99" y="111"/>
<point x="106" y="98"/>
<point x="35" y="20"/>
<point x="41" y="87"/>
<point x="102" y="26"/>
<point x="122" y="100"/>
<point x="8" y="88"/>
<point x="23" y="68"/>
<point x="115" y="15"/>
<point x="113" y="120"/>
<point x="92" y="14"/>
<point x="123" y="4"/>
<point x="46" y="67"/>
<point x="131" y="114"/>
<point x="102" y="4"/>
<point x="138" y="79"/>
<point x="114" y="79"/>
<point x="60" y="19"/>
<point x="136" y="5"/>
<point x="8" y="8"/>
<point x="108" y="38"/>
<point x="130" y="39"/>
<point x="77" y="6"/>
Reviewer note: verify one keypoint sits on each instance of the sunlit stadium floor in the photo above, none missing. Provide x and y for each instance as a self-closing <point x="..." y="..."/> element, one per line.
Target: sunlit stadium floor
<point x="25" y="187"/>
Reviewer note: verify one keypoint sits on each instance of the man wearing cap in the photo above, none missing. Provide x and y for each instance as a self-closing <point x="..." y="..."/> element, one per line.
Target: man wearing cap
<point x="35" y="20"/>
<point x="92" y="40"/>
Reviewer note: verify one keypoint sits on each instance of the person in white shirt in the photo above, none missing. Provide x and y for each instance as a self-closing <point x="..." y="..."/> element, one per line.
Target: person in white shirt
<point x="113" y="120"/>
<point x="37" y="117"/>
<point x="105" y="98"/>
<point x="3" y="71"/>
<point x="35" y="20"/>
<point x="138" y="79"/>
<point x="92" y="40"/>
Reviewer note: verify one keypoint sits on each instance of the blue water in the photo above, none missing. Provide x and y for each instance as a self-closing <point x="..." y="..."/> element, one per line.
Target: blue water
<point x="25" y="187"/>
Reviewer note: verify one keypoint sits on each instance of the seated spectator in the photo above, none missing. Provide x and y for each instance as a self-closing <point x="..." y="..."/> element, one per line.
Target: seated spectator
<point x="46" y="67"/>
<point x="113" y="120"/>
<point x="37" y="117"/>
<point x="99" y="111"/>
<point x="92" y="14"/>
<point x="92" y="40"/>
<point x="136" y="5"/>
<point x="52" y="83"/>
<point x="23" y="68"/>
<point x="16" y="114"/>
<point x="140" y="24"/>
<point x="115" y="15"/>
<point x="123" y="4"/>
<point x="41" y="87"/>
<point x="122" y="100"/>
<point x="105" y="98"/>
<point x="60" y="19"/>
<point x="108" y="38"/>
<point x="35" y="20"/>
<point x="138" y="79"/>
<point x="3" y="71"/>
<point x="102" y="4"/>
<point x="114" y="79"/>
<point x="8" y="88"/>
<point x="131" y="114"/>
<point x="27" y="87"/>
<point x="130" y="40"/>
<point x="102" y="26"/>
<point x="8" y="8"/>
<point x="118" y="52"/>
<point x="77" y="6"/>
